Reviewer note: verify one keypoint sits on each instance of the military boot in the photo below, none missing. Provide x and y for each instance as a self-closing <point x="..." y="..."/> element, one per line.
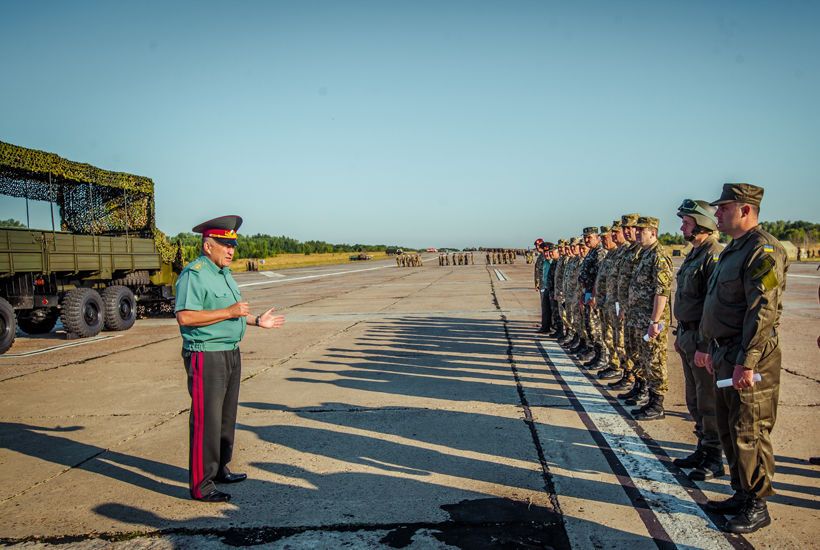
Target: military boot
<point x="653" y="410"/>
<point x="691" y="461"/>
<point x="752" y="517"/>
<point x="610" y="373"/>
<point x="710" y="467"/>
<point x="636" y="388"/>
<point x="595" y="357"/>
<point x="573" y="342"/>
<point x="641" y="397"/>
<point x="585" y="354"/>
<point x="626" y="381"/>
<point x="731" y="505"/>
<point x="582" y="344"/>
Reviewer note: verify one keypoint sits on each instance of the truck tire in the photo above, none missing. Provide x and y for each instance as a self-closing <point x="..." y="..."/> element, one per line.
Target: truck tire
<point x="38" y="323"/>
<point x="83" y="312"/>
<point x="8" y="325"/>
<point x="120" y="308"/>
<point x="135" y="278"/>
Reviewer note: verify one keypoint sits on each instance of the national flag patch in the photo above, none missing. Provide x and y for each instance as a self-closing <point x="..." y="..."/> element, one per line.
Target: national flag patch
<point x="768" y="248"/>
<point x="715" y="257"/>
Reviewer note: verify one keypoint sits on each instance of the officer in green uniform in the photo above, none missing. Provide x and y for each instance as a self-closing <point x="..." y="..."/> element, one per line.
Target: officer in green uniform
<point x="741" y="317"/>
<point x="212" y="318"/>
<point x="699" y="228"/>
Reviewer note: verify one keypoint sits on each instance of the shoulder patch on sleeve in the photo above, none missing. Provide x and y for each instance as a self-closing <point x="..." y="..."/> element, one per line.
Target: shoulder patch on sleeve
<point x="197" y="266"/>
<point x="763" y="268"/>
<point x="716" y="257"/>
<point x="768" y="248"/>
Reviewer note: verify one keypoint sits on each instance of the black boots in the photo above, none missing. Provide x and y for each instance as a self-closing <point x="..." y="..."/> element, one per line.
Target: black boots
<point x="731" y="505"/>
<point x="637" y="388"/>
<point x="579" y="345"/>
<point x="691" y="461"/>
<point x="653" y="410"/>
<point x="753" y="515"/>
<point x="710" y="467"/>
<point x="626" y="381"/>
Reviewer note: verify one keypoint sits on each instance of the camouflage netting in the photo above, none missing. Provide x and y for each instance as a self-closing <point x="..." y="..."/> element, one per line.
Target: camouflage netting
<point x="92" y="201"/>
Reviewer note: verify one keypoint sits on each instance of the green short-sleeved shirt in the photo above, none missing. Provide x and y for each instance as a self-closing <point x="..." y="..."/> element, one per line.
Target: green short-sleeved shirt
<point x="203" y="286"/>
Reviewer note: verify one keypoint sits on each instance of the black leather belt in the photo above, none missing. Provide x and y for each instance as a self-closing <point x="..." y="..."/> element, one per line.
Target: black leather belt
<point x="722" y="342"/>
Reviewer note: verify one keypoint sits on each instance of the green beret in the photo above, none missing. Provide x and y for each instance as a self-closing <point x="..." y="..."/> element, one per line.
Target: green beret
<point x="648" y="221"/>
<point x="590" y="230"/>
<point x="628" y="220"/>
<point x="740" y="192"/>
<point x="605" y="229"/>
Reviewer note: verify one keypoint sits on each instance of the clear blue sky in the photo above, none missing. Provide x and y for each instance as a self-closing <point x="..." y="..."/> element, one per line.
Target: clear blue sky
<point x="427" y="122"/>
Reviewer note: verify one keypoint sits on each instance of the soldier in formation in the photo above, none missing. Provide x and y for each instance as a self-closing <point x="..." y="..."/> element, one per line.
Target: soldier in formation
<point x="613" y="293"/>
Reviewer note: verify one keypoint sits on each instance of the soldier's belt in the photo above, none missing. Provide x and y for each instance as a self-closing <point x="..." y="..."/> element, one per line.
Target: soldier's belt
<point x="722" y="342"/>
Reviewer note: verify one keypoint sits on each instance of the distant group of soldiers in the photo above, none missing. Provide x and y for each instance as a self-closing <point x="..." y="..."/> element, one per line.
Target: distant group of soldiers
<point x="409" y="260"/>
<point x="456" y="258"/>
<point x="500" y="256"/>
<point x="606" y="297"/>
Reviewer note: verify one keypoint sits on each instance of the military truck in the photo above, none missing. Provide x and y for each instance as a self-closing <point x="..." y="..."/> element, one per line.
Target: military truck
<point x="105" y="264"/>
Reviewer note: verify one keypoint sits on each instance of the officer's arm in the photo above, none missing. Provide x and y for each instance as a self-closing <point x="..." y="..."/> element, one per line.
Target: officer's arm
<point x="762" y="280"/>
<point x="203" y="318"/>
<point x="663" y="287"/>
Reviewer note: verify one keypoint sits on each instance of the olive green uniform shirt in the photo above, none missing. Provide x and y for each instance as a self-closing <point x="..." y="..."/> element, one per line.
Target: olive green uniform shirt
<point x="693" y="276"/>
<point x="202" y="286"/>
<point x="744" y="296"/>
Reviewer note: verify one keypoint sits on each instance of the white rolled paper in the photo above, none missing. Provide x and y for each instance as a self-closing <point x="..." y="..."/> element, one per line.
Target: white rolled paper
<point x="727" y="382"/>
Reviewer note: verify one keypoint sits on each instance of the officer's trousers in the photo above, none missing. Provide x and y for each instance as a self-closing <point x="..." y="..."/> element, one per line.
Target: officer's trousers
<point x="213" y="383"/>
<point x="746" y="417"/>
<point x="700" y="392"/>
<point x="546" y="310"/>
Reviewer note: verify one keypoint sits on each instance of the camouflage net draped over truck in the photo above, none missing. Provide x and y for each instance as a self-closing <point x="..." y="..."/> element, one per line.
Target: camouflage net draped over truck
<point x="92" y="201"/>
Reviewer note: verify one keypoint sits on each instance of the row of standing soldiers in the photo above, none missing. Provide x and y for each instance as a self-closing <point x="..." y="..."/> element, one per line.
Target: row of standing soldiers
<point x="500" y="256"/>
<point x="606" y="297"/>
<point x="456" y="258"/>
<point x="409" y="260"/>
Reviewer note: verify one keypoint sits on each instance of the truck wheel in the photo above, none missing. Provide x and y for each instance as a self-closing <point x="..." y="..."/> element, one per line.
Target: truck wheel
<point x="120" y="308"/>
<point x="38" y="321"/>
<point x="83" y="312"/>
<point x="8" y="325"/>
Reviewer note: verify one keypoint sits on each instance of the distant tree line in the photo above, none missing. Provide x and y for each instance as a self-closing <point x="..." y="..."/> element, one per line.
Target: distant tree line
<point x="266" y="246"/>
<point x="800" y="233"/>
<point x="11" y="223"/>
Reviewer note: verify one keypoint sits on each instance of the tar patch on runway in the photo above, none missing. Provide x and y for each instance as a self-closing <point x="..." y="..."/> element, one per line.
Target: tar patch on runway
<point x="491" y="523"/>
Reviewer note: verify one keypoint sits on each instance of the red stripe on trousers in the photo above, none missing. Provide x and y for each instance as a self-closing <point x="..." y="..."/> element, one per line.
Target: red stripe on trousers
<point x="197" y="407"/>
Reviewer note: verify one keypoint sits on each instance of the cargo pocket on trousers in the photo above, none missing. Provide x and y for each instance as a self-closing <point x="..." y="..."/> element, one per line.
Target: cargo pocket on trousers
<point x="756" y="410"/>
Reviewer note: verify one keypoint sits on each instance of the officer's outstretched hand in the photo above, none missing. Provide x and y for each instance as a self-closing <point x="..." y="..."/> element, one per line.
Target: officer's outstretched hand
<point x="239" y="309"/>
<point x="269" y="320"/>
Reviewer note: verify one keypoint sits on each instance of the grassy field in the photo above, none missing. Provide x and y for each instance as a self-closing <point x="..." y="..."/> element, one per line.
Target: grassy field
<point x="283" y="261"/>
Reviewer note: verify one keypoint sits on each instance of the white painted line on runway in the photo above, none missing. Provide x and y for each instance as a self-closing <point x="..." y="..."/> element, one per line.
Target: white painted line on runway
<point x="681" y="517"/>
<point x="500" y="274"/>
<point x="803" y="276"/>
<point x="82" y="342"/>
<point x="272" y="274"/>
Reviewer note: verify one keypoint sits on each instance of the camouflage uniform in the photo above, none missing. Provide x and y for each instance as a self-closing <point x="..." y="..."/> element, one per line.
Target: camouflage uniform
<point x="631" y="339"/>
<point x="651" y="277"/>
<point x="606" y="335"/>
<point x="587" y="275"/>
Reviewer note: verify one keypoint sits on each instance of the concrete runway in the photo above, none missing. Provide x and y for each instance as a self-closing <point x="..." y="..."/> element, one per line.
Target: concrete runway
<point x="397" y="408"/>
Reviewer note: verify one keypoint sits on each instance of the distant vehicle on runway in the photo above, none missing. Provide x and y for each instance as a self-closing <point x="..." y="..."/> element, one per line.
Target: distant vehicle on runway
<point x="106" y="263"/>
<point x="360" y="257"/>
